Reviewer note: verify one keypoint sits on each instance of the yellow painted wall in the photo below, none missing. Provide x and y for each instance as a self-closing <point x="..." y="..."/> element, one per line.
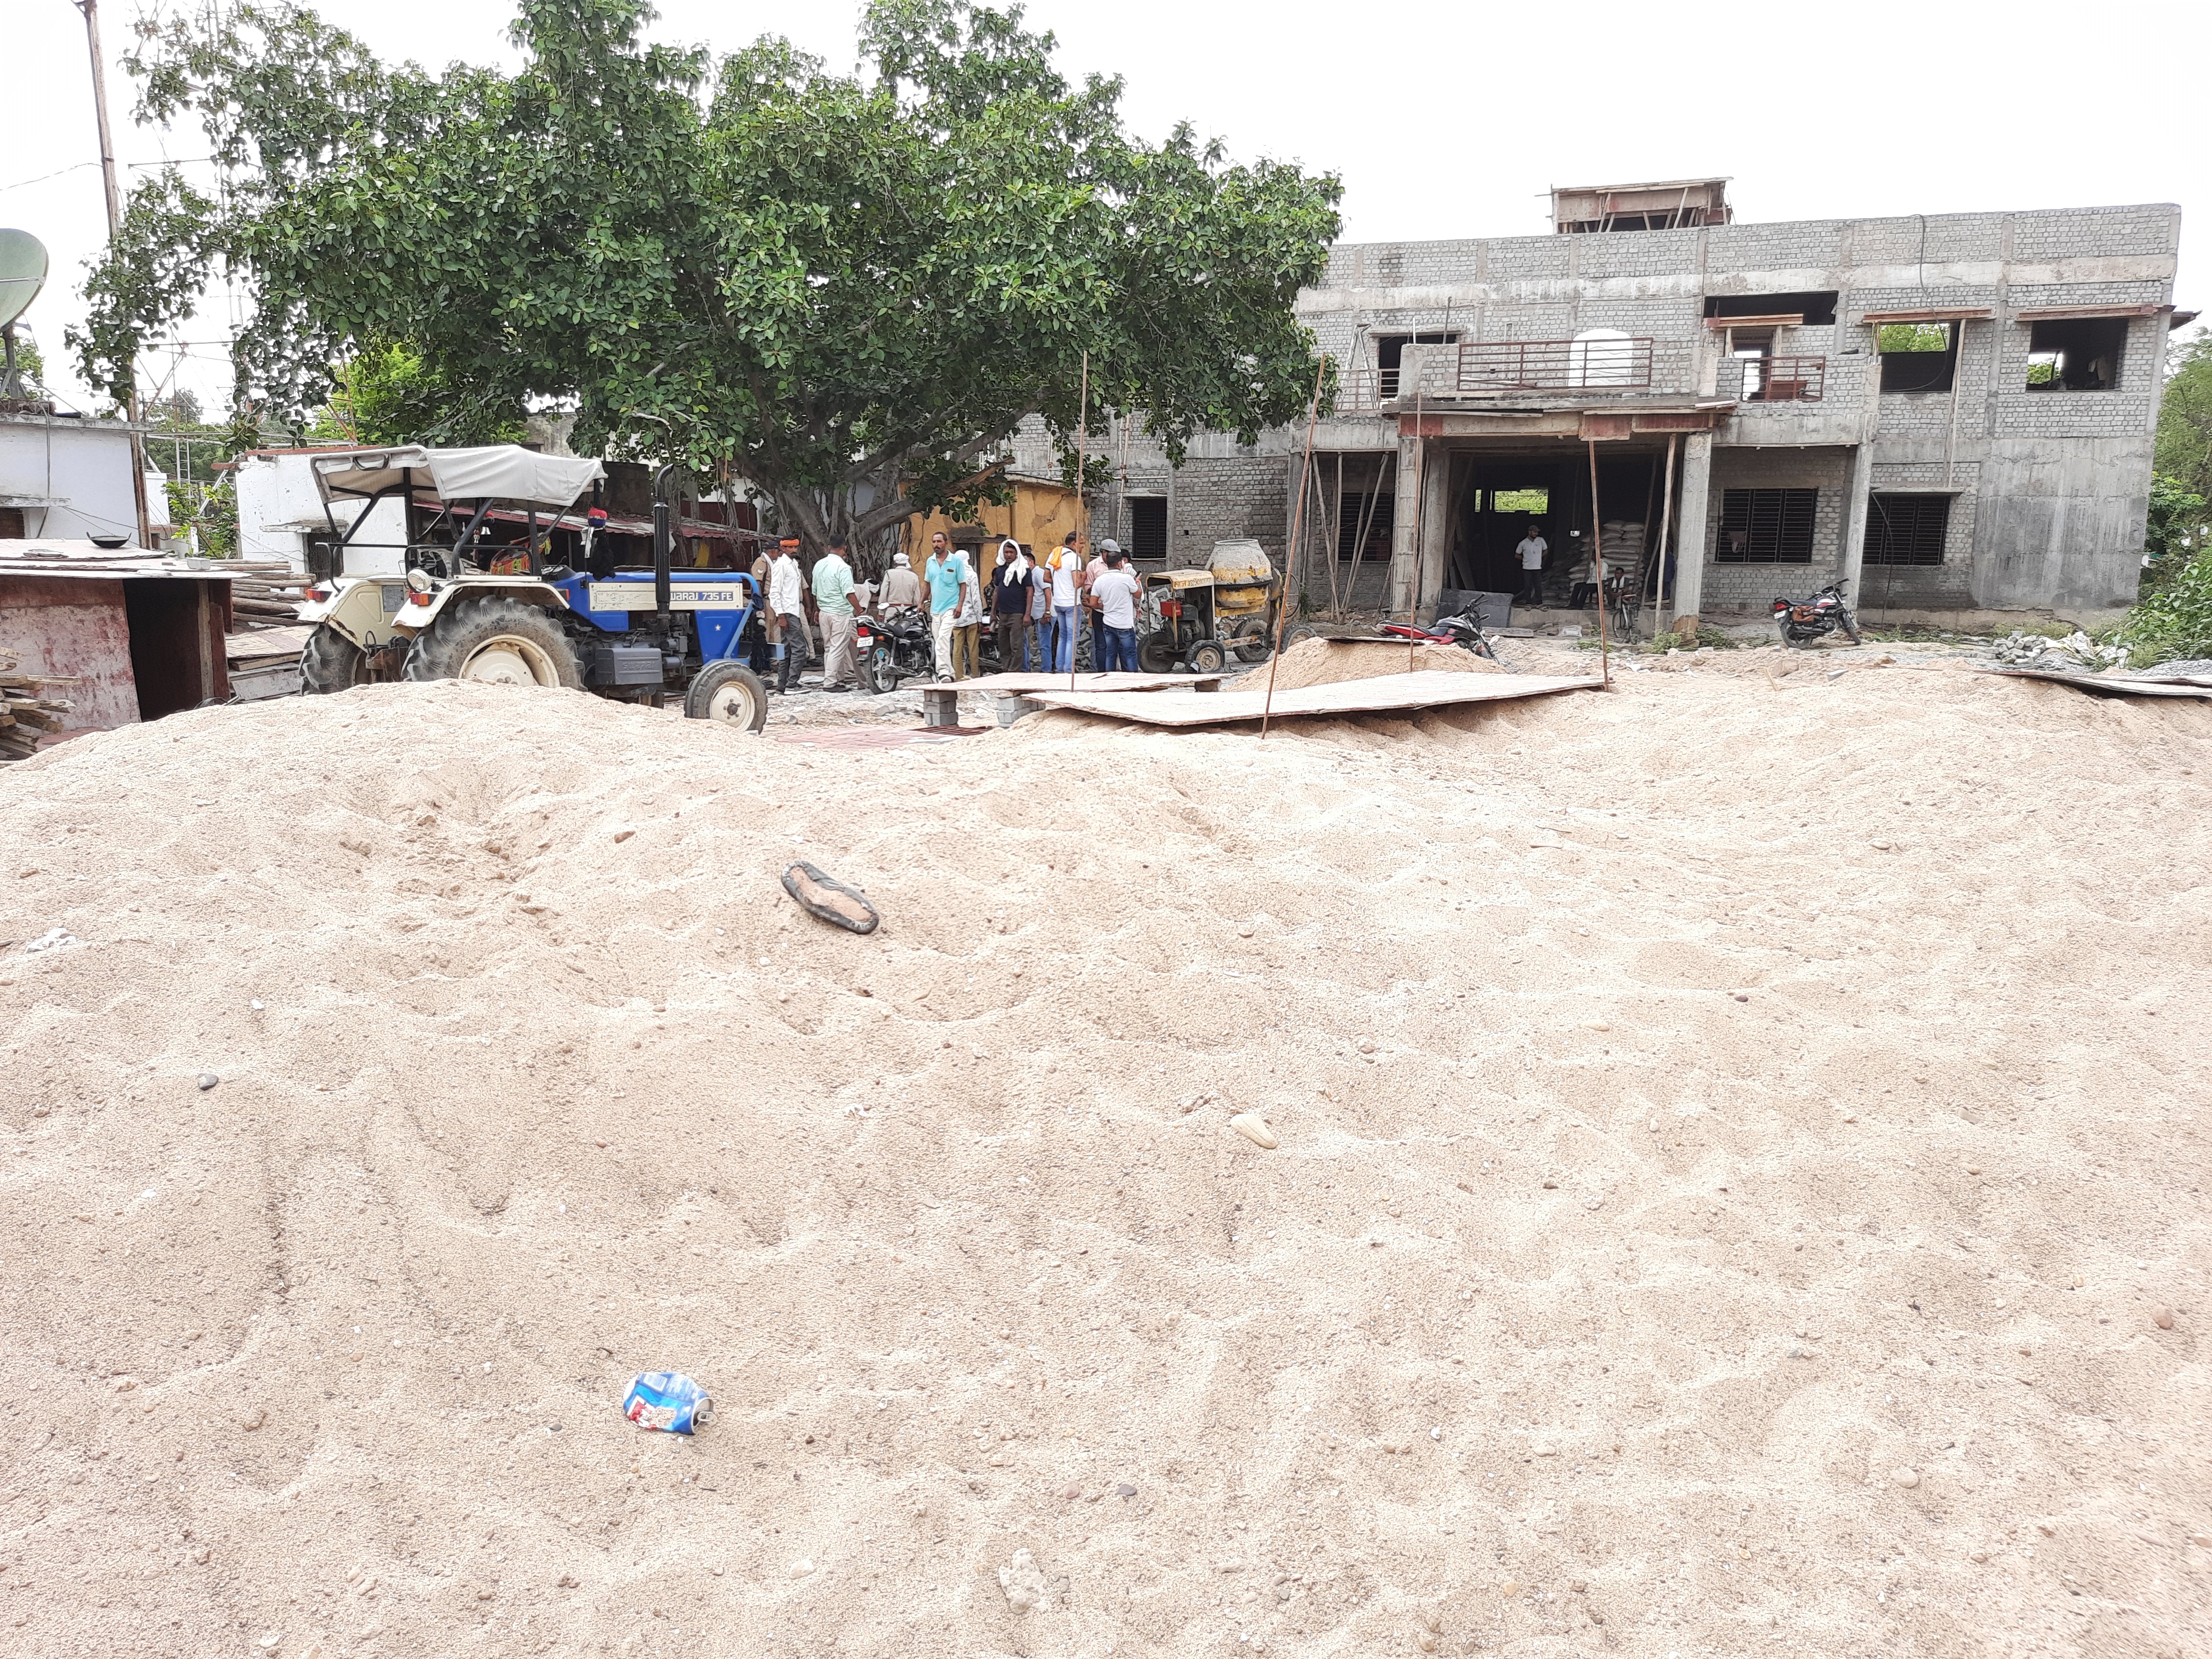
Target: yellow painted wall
<point x="1038" y="516"/>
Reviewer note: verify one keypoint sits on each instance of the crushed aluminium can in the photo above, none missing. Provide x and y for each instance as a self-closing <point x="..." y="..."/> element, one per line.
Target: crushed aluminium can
<point x="667" y="1400"/>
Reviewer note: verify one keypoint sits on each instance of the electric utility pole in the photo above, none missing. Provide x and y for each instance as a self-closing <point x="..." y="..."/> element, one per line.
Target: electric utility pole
<point x="91" y="10"/>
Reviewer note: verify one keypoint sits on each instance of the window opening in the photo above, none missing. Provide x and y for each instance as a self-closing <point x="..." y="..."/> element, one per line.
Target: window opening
<point x="1751" y="347"/>
<point x="1535" y="503"/>
<point x="1918" y="356"/>
<point x="1817" y="307"/>
<point x="1767" y="526"/>
<point x="2076" y="354"/>
<point x="1390" y="355"/>
<point x="1906" y="529"/>
<point x="1378" y="511"/>
<point x="1148" y="526"/>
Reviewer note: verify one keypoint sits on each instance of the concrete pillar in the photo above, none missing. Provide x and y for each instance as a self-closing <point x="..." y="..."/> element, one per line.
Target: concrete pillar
<point x="1435" y="528"/>
<point x="1856" y="507"/>
<point x="1690" y="536"/>
<point x="1406" y="506"/>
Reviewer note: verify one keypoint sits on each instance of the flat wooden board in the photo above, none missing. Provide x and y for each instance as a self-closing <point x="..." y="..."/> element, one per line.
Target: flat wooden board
<point x="1385" y="693"/>
<point x="2111" y="685"/>
<point x="1027" y="684"/>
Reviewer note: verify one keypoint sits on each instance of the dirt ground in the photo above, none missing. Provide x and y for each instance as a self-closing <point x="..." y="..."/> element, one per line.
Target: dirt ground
<point x="1740" y="1186"/>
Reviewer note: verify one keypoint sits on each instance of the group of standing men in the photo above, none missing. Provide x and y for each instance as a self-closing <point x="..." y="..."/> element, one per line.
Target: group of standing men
<point x="1031" y="606"/>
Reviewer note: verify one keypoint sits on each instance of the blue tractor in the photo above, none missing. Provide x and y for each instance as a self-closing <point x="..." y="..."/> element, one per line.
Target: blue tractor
<point x="455" y="601"/>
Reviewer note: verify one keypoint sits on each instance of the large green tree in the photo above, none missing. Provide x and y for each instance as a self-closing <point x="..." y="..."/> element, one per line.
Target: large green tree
<point x="837" y="285"/>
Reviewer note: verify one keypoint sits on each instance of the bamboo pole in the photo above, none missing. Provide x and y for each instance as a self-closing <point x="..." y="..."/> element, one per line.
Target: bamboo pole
<point x="1290" y="555"/>
<point x="1597" y="569"/>
<point x="1082" y="525"/>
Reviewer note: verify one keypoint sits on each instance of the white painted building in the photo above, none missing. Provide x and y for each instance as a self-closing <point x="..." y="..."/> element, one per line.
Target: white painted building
<point x="63" y="478"/>
<point x="279" y="513"/>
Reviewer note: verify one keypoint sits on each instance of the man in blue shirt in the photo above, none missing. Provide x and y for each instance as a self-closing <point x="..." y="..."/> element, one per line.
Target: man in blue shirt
<point x="948" y="578"/>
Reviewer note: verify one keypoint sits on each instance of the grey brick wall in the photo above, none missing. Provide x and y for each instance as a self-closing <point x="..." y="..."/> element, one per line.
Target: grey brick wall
<point x="1748" y="586"/>
<point x="1216" y="500"/>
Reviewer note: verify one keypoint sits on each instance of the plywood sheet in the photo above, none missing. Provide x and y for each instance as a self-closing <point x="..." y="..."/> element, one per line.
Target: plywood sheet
<point x="2114" y="685"/>
<point x="1025" y="684"/>
<point x="1385" y="694"/>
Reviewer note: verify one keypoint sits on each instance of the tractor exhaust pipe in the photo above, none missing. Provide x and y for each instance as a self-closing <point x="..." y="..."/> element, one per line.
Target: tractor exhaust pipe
<point x="663" y="537"/>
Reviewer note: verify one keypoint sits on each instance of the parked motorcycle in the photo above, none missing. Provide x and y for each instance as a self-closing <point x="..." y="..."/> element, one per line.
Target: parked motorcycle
<point x="895" y="648"/>
<point x="1464" y="632"/>
<point x="1803" y="622"/>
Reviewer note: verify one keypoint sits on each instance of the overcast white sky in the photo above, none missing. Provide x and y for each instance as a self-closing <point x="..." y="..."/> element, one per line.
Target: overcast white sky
<point x="1443" y="118"/>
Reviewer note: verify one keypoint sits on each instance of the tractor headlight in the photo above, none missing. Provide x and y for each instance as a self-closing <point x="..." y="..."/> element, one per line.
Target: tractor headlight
<point x="418" y="582"/>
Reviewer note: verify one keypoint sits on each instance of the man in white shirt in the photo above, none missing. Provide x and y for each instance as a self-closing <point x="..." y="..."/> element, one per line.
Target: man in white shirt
<point x="1114" y="596"/>
<point x="1532" y="550"/>
<point x="787" y="602"/>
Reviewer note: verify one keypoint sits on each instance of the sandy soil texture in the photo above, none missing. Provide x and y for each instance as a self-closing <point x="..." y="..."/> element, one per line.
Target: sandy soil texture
<point x="1740" y="1186"/>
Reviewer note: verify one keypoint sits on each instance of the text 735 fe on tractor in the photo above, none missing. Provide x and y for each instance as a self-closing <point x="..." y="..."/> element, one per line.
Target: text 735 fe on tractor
<point x="461" y="604"/>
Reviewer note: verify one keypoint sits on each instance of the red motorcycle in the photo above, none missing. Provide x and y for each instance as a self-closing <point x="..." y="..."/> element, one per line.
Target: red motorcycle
<point x="1462" y="631"/>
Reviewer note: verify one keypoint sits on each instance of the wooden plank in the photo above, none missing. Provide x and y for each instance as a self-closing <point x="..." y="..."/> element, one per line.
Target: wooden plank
<point x="1939" y="315"/>
<point x="2060" y="314"/>
<point x="1430" y="688"/>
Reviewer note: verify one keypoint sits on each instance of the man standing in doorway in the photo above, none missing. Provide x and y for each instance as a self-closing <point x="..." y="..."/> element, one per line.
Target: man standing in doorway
<point x="947" y="578"/>
<point x="840" y="606"/>
<point x="1116" y="595"/>
<point x="1532" y="550"/>
<point x="787" y="602"/>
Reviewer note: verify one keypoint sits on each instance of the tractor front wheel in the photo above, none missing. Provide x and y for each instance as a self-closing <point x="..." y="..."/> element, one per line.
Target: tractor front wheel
<point x="500" y="641"/>
<point x="727" y="691"/>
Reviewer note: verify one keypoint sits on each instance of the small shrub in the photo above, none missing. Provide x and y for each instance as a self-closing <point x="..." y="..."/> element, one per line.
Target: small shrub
<point x="2175" y="622"/>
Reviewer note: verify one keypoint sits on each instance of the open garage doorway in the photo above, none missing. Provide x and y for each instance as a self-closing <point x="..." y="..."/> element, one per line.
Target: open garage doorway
<point x="1497" y="496"/>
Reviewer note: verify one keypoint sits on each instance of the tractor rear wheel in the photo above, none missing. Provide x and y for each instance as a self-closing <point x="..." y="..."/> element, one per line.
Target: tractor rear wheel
<point x="727" y="691"/>
<point x="332" y="662"/>
<point x="501" y="641"/>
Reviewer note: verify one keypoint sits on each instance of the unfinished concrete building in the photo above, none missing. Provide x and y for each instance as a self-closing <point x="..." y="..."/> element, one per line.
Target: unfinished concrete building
<point x="1953" y="413"/>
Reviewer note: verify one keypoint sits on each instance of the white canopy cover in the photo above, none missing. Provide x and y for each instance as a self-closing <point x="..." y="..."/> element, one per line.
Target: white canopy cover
<point x="506" y="472"/>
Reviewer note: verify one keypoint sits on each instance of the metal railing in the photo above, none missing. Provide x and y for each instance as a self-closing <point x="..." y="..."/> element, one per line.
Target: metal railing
<point x="1602" y="363"/>
<point x="1783" y="380"/>
<point x="1359" y="390"/>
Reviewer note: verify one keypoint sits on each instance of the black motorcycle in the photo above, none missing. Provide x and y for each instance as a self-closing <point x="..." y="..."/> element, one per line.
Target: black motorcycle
<point x="895" y="648"/>
<point x="1803" y="622"/>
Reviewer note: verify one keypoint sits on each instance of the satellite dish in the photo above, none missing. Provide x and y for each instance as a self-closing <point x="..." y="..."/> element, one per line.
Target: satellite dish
<point x="22" y="273"/>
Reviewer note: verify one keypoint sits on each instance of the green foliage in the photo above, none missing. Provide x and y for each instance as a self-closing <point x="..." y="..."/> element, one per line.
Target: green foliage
<point x="209" y="510"/>
<point x="2175" y="622"/>
<point x="1913" y="336"/>
<point x="30" y="364"/>
<point x="1718" y="638"/>
<point x="2177" y="527"/>
<point x="388" y="394"/>
<point x="2184" y="452"/>
<point x="833" y="284"/>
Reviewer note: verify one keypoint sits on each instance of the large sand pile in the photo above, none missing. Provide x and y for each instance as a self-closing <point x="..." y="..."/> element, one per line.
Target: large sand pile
<point x="1736" y="1140"/>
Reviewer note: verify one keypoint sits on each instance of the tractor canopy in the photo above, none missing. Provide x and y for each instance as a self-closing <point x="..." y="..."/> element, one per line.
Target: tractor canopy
<point x="500" y="473"/>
